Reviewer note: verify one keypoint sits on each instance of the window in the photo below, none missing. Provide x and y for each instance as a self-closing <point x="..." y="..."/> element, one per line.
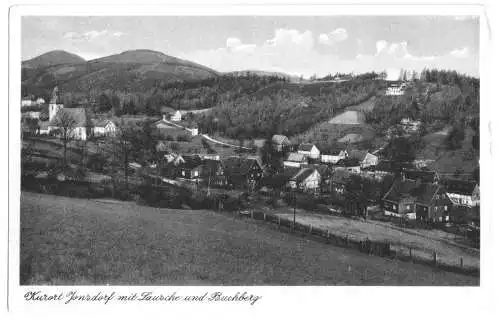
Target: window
<point x="435" y="208"/>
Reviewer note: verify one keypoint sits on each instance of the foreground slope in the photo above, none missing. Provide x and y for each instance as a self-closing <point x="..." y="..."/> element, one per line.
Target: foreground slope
<point x="78" y="241"/>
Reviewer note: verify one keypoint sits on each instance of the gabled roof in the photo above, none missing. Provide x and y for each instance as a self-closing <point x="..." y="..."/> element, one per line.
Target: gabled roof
<point x="191" y="161"/>
<point x="424" y="192"/>
<point x="400" y="189"/>
<point x="306" y="147"/>
<point x="347" y="162"/>
<point x="333" y="152"/>
<point x="358" y="154"/>
<point x="424" y="176"/>
<point x="302" y="175"/>
<point x="459" y="186"/>
<point x="239" y="166"/>
<point x="296" y="157"/>
<point x="280" y="140"/>
<point x="102" y="123"/>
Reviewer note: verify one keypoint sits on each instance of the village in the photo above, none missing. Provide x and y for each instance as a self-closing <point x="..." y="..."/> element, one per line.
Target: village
<point x="352" y="182"/>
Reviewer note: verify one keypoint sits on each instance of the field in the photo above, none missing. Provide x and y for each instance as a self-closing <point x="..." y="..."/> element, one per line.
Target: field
<point x="78" y="241"/>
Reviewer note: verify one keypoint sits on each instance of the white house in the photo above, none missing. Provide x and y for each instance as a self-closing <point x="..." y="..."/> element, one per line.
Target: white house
<point x="306" y="179"/>
<point x="79" y="130"/>
<point x="333" y="156"/>
<point x="177" y="116"/>
<point x="462" y="193"/>
<point x="295" y="160"/>
<point x="40" y="101"/>
<point x="364" y="157"/>
<point x="104" y="128"/>
<point x="395" y="89"/>
<point x="26" y="102"/>
<point x="309" y="150"/>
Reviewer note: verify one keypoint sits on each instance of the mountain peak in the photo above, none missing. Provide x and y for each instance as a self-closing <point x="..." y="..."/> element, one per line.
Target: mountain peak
<point x="55" y="57"/>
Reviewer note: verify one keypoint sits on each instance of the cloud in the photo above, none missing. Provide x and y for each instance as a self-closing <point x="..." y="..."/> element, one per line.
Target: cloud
<point x="460" y="53"/>
<point x="91" y="35"/>
<point x="338" y="35"/>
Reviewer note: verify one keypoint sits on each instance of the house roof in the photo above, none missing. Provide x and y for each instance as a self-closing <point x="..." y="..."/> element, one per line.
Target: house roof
<point x="358" y="154"/>
<point x="302" y="175"/>
<point x="322" y="169"/>
<point x="347" y="162"/>
<point x="102" y="123"/>
<point x="239" y="166"/>
<point x="459" y="186"/>
<point x="78" y="114"/>
<point x="279" y="139"/>
<point x="296" y="157"/>
<point x="341" y="176"/>
<point x="167" y="110"/>
<point x="306" y="147"/>
<point x="421" y="192"/>
<point x="191" y="161"/>
<point x="333" y="152"/>
<point x="211" y="166"/>
<point x="424" y="176"/>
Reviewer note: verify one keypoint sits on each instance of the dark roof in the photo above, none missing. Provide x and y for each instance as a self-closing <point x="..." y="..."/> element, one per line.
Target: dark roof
<point x="422" y="192"/>
<point x="347" y="162"/>
<point x="238" y="166"/>
<point x="382" y="166"/>
<point x="458" y="186"/>
<point x="341" y="176"/>
<point x="191" y="161"/>
<point x="332" y="152"/>
<point x="211" y="166"/>
<point x="101" y="123"/>
<point x="400" y="189"/>
<point x="306" y="147"/>
<point x="322" y="169"/>
<point x="166" y="110"/>
<point x="424" y="176"/>
<point x="358" y="154"/>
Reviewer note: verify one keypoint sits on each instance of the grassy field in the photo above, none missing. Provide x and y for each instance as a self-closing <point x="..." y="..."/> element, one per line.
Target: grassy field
<point x="77" y="241"/>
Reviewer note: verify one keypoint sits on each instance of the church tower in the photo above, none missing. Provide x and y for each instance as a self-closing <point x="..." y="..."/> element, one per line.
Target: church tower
<point x="53" y="105"/>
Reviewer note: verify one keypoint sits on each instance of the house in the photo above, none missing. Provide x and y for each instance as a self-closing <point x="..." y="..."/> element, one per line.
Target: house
<point x="462" y="193"/>
<point x="309" y="150"/>
<point x="379" y="171"/>
<point x="413" y="199"/>
<point x="295" y="160"/>
<point x="364" y="157"/>
<point x="40" y="101"/>
<point x="191" y="168"/>
<point x="163" y="123"/>
<point x="243" y="172"/>
<point x="177" y="116"/>
<point x="410" y="125"/>
<point x="26" y="102"/>
<point x="337" y="183"/>
<point x="395" y="88"/>
<point x="306" y="179"/>
<point x="210" y="156"/>
<point x="104" y="128"/>
<point x="79" y="131"/>
<point x="43" y="128"/>
<point x="174" y="159"/>
<point x="349" y="164"/>
<point x="333" y="156"/>
<point x="280" y="142"/>
<point x="213" y="173"/>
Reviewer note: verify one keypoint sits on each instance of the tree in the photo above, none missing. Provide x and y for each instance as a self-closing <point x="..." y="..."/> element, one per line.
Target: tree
<point x="122" y="147"/>
<point x="66" y="125"/>
<point x="104" y="103"/>
<point x="399" y="151"/>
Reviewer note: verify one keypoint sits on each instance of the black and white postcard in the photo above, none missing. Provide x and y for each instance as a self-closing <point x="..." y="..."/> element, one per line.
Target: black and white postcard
<point x="220" y="155"/>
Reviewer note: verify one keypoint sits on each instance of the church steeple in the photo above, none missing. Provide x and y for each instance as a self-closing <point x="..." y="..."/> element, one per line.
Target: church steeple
<point x="54" y="98"/>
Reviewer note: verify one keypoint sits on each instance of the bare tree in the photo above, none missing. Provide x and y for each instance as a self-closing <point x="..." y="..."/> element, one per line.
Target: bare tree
<point x="66" y="125"/>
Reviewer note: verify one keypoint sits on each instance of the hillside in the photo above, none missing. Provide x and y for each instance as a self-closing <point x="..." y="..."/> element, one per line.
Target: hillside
<point x="56" y="57"/>
<point x="131" y="71"/>
<point x="80" y="241"/>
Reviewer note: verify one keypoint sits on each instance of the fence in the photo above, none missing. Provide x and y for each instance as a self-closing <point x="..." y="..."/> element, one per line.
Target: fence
<point x="365" y="245"/>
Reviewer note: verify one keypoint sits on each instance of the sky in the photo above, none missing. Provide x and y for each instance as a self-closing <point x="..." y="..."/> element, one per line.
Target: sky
<point x="296" y="45"/>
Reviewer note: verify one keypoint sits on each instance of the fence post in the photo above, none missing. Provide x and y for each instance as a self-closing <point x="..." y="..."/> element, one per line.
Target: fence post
<point x="264" y="216"/>
<point x="328" y="236"/>
<point x="279" y="222"/>
<point x="251" y="214"/>
<point x="461" y="262"/>
<point x="347" y="239"/>
<point x="411" y="258"/>
<point x="310" y="229"/>
<point x="434" y="258"/>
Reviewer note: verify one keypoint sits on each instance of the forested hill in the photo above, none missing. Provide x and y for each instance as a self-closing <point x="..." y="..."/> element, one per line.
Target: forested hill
<point x="130" y="71"/>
